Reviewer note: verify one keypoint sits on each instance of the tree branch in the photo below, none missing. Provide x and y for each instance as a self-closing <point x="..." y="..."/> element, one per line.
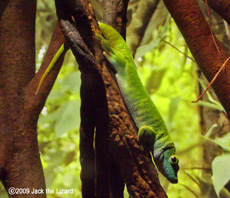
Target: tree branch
<point x="38" y="100"/>
<point x="93" y="105"/>
<point x="107" y="114"/>
<point x="221" y="7"/>
<point x="115" y="15"/>
<point x="123" y="138"/>
<point x="20" y="164"/>
<point x="141" y="178"/>
<point x="196" y="32"/>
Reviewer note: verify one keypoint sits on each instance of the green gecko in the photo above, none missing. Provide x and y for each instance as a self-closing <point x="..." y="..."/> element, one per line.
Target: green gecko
<point x="153" y="134"/>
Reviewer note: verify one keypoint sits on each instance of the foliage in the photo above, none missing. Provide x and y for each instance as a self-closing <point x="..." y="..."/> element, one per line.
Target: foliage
<point x="58" y="125"/>
<point x="173" y="96"/>
<point x="220" y="165"/>
<point x="221" y="172"/>
<point x="170" y="78"/>
<point x="58" y="134"/>
<point x="169" y="75"/>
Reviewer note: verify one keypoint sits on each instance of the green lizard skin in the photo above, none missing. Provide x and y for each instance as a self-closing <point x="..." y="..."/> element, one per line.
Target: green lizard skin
<point x="49" y="68"/>
<point x="153" y="134"/>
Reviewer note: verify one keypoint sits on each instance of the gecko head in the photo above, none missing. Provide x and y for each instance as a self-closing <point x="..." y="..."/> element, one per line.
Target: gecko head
<point x="168" y="165"/>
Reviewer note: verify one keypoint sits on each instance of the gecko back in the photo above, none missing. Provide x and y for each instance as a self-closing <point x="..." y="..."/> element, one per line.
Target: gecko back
<point x="153" y="133"/>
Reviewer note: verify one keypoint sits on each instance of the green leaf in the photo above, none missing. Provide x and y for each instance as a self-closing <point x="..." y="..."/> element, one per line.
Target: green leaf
<point x="209" y="104"/>
<point x="142" y="50"/>
<point x="69" y="117"/>
<point x="223" y="142"/>
<point x="216" y="105"/>
<point x="162" y="33"/>
<point x="221" y="171"/>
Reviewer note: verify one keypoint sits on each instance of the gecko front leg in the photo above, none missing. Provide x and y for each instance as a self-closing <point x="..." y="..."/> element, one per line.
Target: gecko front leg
<point x="146" y="137"/>
<point x="112" y="55"/>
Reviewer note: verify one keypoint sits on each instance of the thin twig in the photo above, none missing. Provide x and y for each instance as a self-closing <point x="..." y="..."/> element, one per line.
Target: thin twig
<point x="179" y="51"/>
<point x="189" y="189"/>
<point x="210" y="26"/>
<point x="217" y="48"/>
<point x="214" y="78"/>
<point x="194" y="180"/>
<point x="197" y="168"/>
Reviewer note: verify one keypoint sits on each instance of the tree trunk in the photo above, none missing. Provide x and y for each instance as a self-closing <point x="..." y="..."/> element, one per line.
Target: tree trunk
<point x="222" y="7"/>
<point x="20" y="163"/>
<point x="103" y="95"/>
<point x="196" y="32"/>
<point x="210" y="116"/>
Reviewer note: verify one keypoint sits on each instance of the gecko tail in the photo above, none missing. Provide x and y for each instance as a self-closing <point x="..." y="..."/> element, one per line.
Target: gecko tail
<point x="50" y="67"/>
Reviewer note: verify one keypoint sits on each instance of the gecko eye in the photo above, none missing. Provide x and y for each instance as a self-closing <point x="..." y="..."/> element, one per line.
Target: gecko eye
<point x="174" y="159"/>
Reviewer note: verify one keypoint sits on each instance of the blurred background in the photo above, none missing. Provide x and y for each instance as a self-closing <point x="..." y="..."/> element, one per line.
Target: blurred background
<point x="172" y="78"/>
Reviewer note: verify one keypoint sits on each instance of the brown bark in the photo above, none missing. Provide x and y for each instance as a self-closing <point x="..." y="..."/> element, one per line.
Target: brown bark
<point x="222" y="7"/>
<point x="102" y="98"/>
<point x="36" y="102"/>
<point x="210" y="116"/>
<point x="20" y="163"/>
<point x="115" y="15"/>
<point x="196" y="32"/>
